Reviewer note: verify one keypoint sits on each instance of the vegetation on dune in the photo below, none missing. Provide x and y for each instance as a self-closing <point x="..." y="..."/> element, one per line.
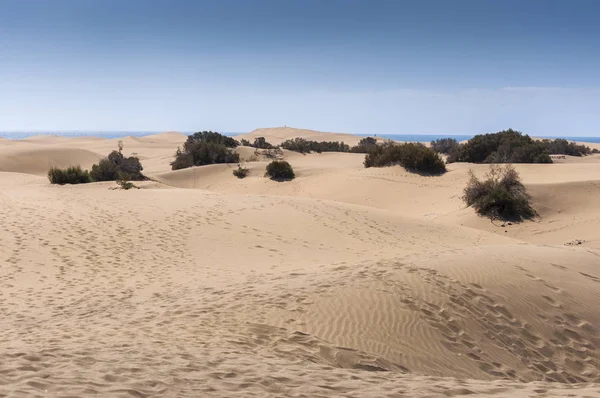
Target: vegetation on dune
<point x="561" y="146"/>
<point x="364" y="145"/>
<point x="70" y="175"/>
<point x="114" y="167"/>
<point x="241" y="172"/>
<point x="206" y="147"/>
<point x="413" y="157"/>
<point x="259" y="143"/>
<point x="508" y="146"/>
<point x="444" y="145"/>
<point x="500" y="195"/>
<point x="303" y="145"/>
<point x="280" y="170"/>
<point x="117" y="167"/>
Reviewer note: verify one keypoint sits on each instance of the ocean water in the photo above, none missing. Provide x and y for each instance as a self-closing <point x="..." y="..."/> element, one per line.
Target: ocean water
<point x="397" y="137"/>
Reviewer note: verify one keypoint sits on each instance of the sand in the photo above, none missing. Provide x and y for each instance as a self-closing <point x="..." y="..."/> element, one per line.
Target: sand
<point x="344" y="282"/>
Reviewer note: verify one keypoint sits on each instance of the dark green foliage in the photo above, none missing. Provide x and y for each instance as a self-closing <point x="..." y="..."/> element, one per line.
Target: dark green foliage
<point x="261" y="143"/>
<point x="364" y="145"/>
<point x="241" y="172"/>
<point x="413" y="157"/>
<point x="500" y="195"/>
<point x="508" y="146"/>
<point x="302" y="145"/>
<point x="245" y="142"/>
<point x="444" y="145"/>
<point x="280" y="170"/>
<point x="561" y="146"/>
<point x="70" y="175"/>
<point x="595" y="150"/>
<point x="116" y="166"/>
<point x="204" y="148"/>
<point x="210" y="137"/>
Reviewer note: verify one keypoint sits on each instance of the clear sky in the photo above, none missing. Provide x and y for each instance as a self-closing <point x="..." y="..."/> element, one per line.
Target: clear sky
<point x="396" y="67"/>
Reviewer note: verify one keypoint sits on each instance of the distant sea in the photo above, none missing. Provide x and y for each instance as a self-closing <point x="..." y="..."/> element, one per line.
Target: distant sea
<point x="396" y="137"/>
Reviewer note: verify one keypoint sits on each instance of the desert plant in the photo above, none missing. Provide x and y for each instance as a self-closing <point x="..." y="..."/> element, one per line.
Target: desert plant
<point x="204" y="148"/>
<point x="115" y="165"/>
<point x="508" y="146"/>
<point x="261" y="143"/>
<point x="444" y="145"/>
<point x="595" y="150"/>
<point x="70" y="175"/>
<point x="241" y="172"/>
<point x="413" y="157"/>
<point x="245" y="142"/>
<point x="303" y="145"/>
<point x="280" y="170"/>
<point x="364" y="145"/>
<point x="500" y="195"/>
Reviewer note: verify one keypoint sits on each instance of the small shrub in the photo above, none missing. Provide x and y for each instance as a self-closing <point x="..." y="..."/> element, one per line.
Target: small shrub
<point x="115" y="166"/>
<point x="364" y="145"/>
<point x="261" y="143"/>
<point x="204" y="148"/>
<point x="413" y="157"/>
<point x="595" y="150"/>
<point x="241" y="172"/>
<point x="245" y="142"/>
<point x="70" y="175"/>
<point x="444" y="145"/>
<point x="500" y="195"/>
<point x="280" y="170"/>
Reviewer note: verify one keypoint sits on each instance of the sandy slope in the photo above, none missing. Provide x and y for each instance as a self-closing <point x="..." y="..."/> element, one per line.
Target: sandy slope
<point x="344" y="282"/>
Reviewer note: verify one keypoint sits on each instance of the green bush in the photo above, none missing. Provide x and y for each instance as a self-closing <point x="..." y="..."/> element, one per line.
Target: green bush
<point x="204" y="148"/>
<point x="561" y="146"/>
<point x="508" y="146"/>
<point x="364" y="145"/>
<point x="245" y="142"/>
<point x="303" y="145"/>
<point x="261" y="143"/>
<point x="116" y="166"/>
<point x="595" y="150"/>
<point x="500" y="195"/>
<point x="413" y="157"/>
<point x="70" y="175"/>
<point x="241" y="172"/>
<point x="280" y="170"/>
<point x="444" y="145"/>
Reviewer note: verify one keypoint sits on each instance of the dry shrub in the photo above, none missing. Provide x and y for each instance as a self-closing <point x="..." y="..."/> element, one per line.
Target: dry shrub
<point x="500" y="195"/>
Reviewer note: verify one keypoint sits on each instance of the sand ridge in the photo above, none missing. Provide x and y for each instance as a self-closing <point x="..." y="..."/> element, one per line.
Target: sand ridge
<point x="344" y="282"/>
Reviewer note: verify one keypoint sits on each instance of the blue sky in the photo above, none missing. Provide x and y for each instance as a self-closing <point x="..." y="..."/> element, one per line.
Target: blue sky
<point x="396" y="67"/>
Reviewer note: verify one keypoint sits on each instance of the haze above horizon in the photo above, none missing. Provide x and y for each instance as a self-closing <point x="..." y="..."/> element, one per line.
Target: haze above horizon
<point x="390" y="67"/>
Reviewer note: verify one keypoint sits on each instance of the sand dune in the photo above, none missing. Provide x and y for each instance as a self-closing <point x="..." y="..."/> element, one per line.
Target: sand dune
<point x="343" y="282"/>
<point x="276" y="135"/>
<point x="38" y="159"/>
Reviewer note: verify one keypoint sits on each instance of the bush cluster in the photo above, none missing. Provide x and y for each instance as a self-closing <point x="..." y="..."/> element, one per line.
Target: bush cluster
<point x="241" y="172"/>
<point x="500" y="195"/>
<point x="413" y="157"/>
<point x="303" y="145"/>
<point x="117" y="167"/>
<point x="364" y="145"/>
<point x="444" y="145"/>
<point x="114" y="167"/>
<point x="70" y="175"/>
<point x="206" y="147"/>
<point x="561" y="146"/>
<point x="280" y="170"/>
<point x="259" y="142"/>
<point x="508" y="146"/>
